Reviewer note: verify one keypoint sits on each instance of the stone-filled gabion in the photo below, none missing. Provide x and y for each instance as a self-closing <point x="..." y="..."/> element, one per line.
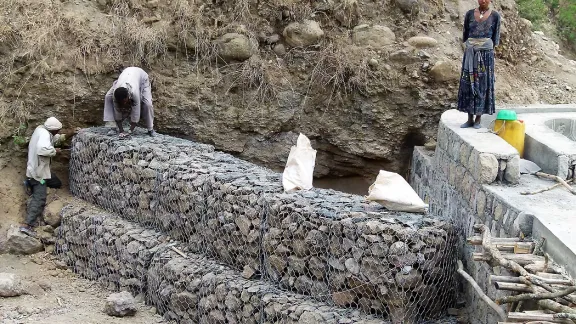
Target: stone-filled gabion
<point x="197" y="290"/>
<point x="101" y="246"/>
<point x="209" y="199"/>
<point x="332" y="246"/>
<point x="336" y="246"/>
<point x="126" y="256"/>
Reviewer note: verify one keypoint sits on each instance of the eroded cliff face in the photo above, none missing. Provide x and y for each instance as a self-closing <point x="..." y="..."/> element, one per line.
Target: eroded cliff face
<point x="364" y="80"/>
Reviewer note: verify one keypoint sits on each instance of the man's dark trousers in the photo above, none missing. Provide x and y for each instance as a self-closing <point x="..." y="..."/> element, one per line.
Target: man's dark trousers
<point x="37" y="201"/>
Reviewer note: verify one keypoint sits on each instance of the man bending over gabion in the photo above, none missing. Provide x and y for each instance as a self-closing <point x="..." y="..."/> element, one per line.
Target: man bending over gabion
<point x="130" y="94"/>
<point x="38" y="175"/>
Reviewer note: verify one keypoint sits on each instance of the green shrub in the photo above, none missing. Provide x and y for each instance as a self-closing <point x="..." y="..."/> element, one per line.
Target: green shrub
<point x="534" y="10"/>
<point x="567" y="20"/>
<point x="19" y="137"/>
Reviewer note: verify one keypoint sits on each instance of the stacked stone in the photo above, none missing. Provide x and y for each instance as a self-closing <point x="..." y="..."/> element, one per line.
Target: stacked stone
<point x="331" y="245"/>
<point x="235" y="213"/>
<point x="197" y="290"/>
<point x="321" y="243"/>
<point x="103" y="247"/>
<point x="209" y="199"/>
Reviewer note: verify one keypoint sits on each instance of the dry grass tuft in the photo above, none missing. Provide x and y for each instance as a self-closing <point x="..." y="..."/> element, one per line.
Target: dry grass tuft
<point x="340" y="68"/>
<point x="13" y="115"/>
<point x="253" y="78"/>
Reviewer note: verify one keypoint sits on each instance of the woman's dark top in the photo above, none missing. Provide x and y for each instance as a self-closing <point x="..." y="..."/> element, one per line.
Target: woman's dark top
<point x="489" y="28"/>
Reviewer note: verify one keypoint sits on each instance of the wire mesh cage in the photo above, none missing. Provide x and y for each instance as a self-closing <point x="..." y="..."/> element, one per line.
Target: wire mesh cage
<point x="254" y="254"/>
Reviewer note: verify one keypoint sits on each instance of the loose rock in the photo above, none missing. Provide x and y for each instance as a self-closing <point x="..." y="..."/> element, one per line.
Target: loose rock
<point x="120" y="305"/>
<point x="443" y="71"/>
<point x="408" y="6"/>
<point x="301" y="34"/>
<point x="10" y="285"/>
<point x="20" y="243"/>
<point x="52" y="213"/>
<point x="422" y="42"/>
<point x="235" y="47"/>
<point x="375" y="36"/>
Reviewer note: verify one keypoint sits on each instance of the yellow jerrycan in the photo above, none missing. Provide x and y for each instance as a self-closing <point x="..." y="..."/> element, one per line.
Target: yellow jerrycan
<point x="511" y="129"/>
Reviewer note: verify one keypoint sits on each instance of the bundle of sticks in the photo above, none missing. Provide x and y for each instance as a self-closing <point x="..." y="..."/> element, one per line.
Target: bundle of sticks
<point x="544" y="293"/>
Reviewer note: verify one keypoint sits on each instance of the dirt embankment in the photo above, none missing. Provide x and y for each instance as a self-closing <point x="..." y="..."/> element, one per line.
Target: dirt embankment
<point x="366" y="81"/>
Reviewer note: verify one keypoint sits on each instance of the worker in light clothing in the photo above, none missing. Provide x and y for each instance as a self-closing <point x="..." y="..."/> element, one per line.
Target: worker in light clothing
<point x="130" y="94"/>
<point x="38" y="175"/>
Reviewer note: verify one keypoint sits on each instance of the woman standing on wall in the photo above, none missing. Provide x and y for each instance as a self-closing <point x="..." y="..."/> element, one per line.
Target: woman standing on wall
<point x="481" y="34"/>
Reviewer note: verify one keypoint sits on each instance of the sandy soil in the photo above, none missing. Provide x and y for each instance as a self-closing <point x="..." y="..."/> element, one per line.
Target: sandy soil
<point x="54" y="295"/>
<point x="57" y="296"/>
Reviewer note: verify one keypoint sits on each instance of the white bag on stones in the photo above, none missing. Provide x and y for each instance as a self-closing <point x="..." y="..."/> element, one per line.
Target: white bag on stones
<point x="394" y="193"/>
<point x="300" y="166"/>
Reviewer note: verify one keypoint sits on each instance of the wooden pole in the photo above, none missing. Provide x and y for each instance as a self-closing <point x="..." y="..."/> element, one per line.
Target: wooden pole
<point x="498" y="258"/>
<point x="527" y="317"/>
<point x="479" y="291"/>
<point x="178" y="251"/>
<point x="512" y="286"/>
<point x="549" y="281"/>
<point x="521" y="259"/>
<point x="477" y="240"/>
<point x="531" y="322"/>
<point x="539" y="296"/>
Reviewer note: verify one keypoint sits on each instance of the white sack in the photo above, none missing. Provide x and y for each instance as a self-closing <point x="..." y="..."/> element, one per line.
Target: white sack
<point x="300" y="166"/>
<point x="394" y="193"/>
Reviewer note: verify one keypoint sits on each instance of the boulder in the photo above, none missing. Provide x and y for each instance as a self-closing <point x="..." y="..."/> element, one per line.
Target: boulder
<point x="120" y="305"/>
<point x="408" y="6"/>
<point x="52" y="213"/>
<point x="301" y="34"/>
<point x="373" y="36"/>
<point x="422" y="42"/>
<point x="235" y="47"/>
<point x="10" y="285"/>
<point x="443" y="71"/>
<point x="20" y="243"/>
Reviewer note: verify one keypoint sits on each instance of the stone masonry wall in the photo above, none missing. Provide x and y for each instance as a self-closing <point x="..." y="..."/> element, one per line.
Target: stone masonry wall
<point x="452" y="180"/>
<point x="329" y="245"/>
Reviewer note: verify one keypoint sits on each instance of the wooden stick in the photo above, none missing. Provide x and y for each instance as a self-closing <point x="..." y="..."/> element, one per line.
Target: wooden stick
<point x="540" y="267"/>
<point x="547" y="276"/>
<point x="527" y="317"/>
<point x="557" y="178"/>
<point x="530" y="280"/>
<point x="515" y="267"/>
<point x="549" y="281"/>
<point x="524" y="247"/>
<point x="178" y="251"/>
<point x="549" y="295"/>
<point x="512" y="286"/>
<point x="564" y="315"/>
<point x="477" y="240"/>
<point x="544" y="189"/>
<point x="521" y="259"/>
<point x="531" y="322"/>
<point x="512" y="246"/>
<point x="482" y="295"/>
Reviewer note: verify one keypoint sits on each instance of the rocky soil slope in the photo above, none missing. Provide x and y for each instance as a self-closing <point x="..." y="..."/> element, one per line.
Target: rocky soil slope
<point x="365" y="80"/>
